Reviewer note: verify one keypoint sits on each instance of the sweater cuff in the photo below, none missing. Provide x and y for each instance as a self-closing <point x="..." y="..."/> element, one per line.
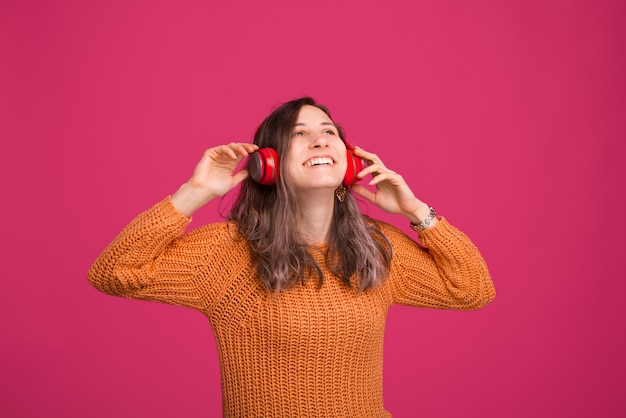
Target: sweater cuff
<point x="165" y="213"/>
<point x="438" y="233"/>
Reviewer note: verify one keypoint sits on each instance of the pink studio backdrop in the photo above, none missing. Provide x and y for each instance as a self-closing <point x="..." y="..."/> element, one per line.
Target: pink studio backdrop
<point x="506" y="116"/>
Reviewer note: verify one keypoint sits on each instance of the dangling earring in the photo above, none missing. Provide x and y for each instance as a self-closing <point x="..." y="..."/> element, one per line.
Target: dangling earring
<point x="340" y="192"/>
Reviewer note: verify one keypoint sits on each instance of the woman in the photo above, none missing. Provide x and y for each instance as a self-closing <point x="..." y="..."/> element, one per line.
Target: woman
<point x="297" y="283"/>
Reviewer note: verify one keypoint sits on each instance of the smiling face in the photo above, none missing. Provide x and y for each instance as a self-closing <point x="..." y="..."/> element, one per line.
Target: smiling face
<point x="317" y="155"/>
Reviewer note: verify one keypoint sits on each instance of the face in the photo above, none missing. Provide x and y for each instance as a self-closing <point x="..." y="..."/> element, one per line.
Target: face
<point x="317" y="155"/>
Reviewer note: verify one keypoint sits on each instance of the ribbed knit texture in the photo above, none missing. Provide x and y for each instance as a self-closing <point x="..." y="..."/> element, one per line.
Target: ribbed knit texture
<point x="304" y="352"/>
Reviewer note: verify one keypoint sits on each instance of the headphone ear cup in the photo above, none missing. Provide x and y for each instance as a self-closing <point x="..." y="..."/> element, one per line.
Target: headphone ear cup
<point x="355" y="165"/>
<point x="263" y="166"/>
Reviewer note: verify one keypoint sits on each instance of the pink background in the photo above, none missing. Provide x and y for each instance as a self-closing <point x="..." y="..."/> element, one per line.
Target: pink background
<point x="507" y="116"/>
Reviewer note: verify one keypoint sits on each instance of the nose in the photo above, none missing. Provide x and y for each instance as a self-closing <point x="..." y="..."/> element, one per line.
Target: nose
<point x="319" y="141"/>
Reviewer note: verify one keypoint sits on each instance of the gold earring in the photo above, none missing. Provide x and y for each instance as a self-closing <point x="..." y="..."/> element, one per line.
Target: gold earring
<point x="341" y="192"/>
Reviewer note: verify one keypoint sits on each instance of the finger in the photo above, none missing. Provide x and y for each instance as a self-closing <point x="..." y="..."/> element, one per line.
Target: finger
<point x="240" y="150"/>
<point x="222" y="151"/>
<point x="390" y="177"/>
<point x="237" y="150"/>
<point x="370" y="156"/>
<point x="244" y="149"/>
<point x="250" y="148"/>
<point x="373" y="169"/>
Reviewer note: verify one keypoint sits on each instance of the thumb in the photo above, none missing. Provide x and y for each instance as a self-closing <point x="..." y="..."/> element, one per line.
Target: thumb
<point x="364" y="192"/>
<point x="240" y="176"/>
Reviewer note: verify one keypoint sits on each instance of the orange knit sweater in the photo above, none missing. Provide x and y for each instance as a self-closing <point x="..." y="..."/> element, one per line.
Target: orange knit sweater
<point x="304" y="352"/>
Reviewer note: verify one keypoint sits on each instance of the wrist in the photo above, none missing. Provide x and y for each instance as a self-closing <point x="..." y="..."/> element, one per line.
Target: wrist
<point x="422" y="212"/>
<point x="189" y="198"/>
<point x="423" y="219"/>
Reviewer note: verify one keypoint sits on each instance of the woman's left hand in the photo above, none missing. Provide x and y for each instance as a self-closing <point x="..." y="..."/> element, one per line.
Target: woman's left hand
<point x="392" y="194"/>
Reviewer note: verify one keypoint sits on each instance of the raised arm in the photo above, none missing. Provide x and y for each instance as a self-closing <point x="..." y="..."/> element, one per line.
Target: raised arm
<point x="448" y="272"/>
<point x="151" y="259"/>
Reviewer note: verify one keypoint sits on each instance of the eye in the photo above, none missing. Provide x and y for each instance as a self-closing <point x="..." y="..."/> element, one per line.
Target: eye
<point x="297" y="133"/>
<point x="329" y="132"/>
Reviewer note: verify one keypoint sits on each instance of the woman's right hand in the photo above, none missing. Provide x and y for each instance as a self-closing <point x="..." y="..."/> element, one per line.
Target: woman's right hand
<point x="214" y="176"/>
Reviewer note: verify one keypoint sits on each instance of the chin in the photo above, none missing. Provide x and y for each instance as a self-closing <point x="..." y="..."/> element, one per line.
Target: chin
<point x="318" y="186"/>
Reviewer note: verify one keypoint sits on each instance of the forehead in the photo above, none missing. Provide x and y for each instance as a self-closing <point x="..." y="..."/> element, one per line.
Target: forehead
<point x="312" y="115"/>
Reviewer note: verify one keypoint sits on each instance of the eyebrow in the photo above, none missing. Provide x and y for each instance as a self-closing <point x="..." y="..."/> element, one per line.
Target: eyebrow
<point x="321" y="124"/>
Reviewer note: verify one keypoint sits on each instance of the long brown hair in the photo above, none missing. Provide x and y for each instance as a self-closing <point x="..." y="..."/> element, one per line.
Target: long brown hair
<point x="267" y="217"/>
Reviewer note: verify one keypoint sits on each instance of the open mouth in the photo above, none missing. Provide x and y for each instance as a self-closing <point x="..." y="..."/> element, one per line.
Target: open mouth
<point x="319" y="161"/>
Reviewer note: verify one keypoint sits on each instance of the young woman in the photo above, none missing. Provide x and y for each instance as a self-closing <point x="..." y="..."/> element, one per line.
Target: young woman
<point x="297" y="282"/>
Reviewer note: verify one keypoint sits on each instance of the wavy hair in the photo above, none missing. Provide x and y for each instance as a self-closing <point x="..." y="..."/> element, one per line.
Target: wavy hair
<point x="267" y="217"/>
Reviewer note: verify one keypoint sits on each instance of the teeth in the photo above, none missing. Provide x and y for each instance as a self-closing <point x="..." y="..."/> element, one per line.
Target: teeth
<point x="319" y="161"/>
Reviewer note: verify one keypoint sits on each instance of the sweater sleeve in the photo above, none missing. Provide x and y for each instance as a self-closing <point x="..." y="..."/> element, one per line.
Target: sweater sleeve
<point x="152" y="260"/>
<point x="448" y="272"/>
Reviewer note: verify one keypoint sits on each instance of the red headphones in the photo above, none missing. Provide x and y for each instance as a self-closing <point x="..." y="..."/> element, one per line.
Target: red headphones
<point x="264" y="167"/>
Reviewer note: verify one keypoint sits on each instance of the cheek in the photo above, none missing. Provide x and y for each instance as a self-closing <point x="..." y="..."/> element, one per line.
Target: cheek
<point x="289" y="164"/>
<point x="343" y="164"/>
<point x="343" y="161"/>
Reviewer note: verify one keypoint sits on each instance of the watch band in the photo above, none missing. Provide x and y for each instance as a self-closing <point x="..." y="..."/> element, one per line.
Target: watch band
<point x="425" y="223"/>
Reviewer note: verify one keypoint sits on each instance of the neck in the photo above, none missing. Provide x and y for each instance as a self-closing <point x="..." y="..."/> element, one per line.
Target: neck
<point x="316" y="216"/>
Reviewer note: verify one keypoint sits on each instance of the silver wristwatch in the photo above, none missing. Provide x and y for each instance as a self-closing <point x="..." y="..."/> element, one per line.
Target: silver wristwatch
<point x="426" y="222"/>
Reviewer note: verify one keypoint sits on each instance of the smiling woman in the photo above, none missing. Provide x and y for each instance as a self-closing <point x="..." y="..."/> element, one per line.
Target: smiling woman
<point x="312" y="203"/>
<point x="297" y="282"/>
